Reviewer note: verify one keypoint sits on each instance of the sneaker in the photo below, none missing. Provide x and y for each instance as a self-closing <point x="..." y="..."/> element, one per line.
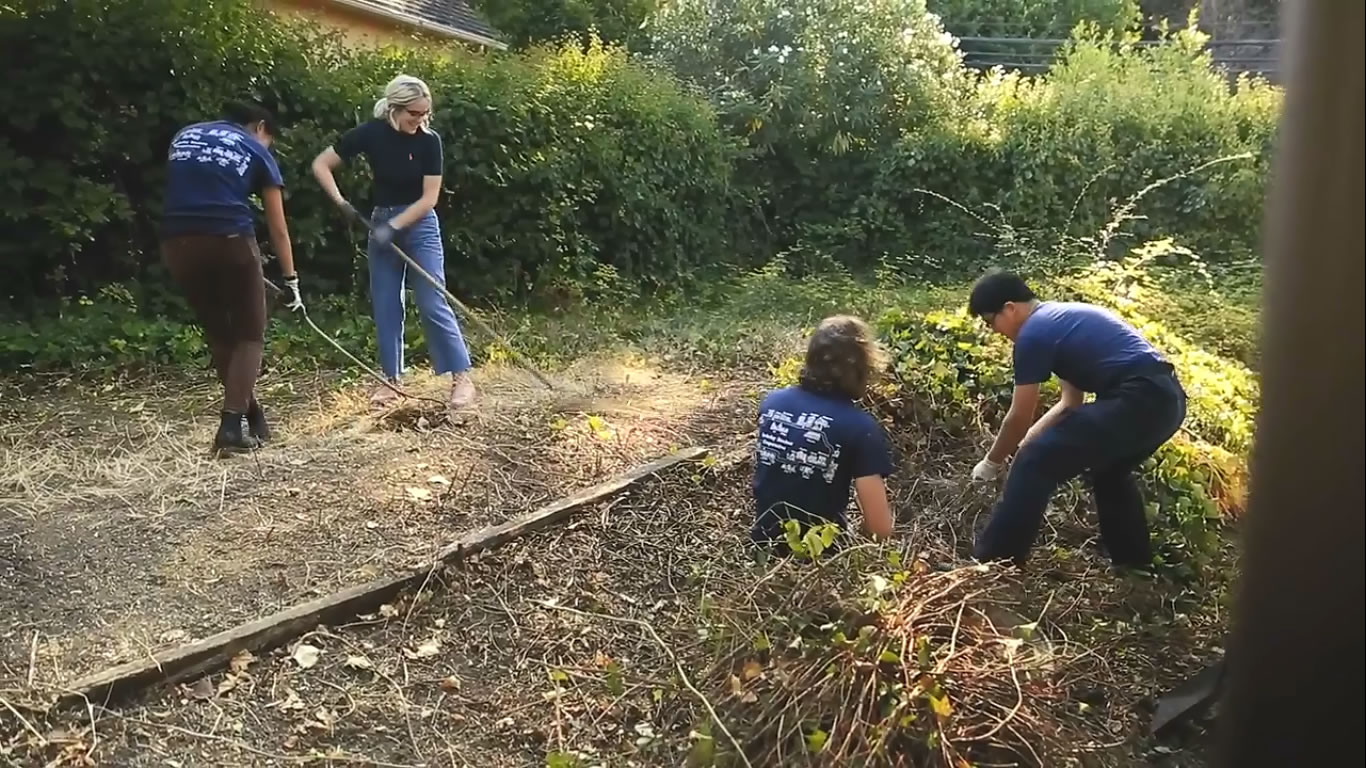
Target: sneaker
<point x="231" y="438"/>
<point x="382" y="395"/>
<point x="256" y="421"/>
<point x="462" y="390"/>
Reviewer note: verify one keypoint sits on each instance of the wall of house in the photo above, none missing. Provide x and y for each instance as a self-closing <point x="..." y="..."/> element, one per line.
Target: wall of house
<point x="358" y="28"/>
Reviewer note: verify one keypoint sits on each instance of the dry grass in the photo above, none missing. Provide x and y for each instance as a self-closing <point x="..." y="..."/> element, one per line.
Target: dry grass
<point x="127" y="537"/>
<point x="642" y="633"/>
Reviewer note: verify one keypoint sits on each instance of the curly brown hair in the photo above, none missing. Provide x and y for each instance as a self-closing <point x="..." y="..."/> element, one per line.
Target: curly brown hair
<point x="842" y="358"/>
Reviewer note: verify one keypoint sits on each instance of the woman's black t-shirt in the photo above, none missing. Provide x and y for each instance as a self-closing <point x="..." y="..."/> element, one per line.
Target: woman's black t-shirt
<point x="398" y="160"/>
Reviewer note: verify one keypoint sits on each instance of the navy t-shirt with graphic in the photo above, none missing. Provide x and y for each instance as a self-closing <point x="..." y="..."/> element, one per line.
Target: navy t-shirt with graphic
<point x="398" y="160"/>
<point x="211" y="171"/>
<point x="1088" y="346"/>
<point x="811" y="448"/>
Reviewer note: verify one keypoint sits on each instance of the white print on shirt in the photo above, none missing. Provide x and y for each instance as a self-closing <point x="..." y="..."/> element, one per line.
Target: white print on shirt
<point x="191" y="145"/>
<point x="808" y="454"/>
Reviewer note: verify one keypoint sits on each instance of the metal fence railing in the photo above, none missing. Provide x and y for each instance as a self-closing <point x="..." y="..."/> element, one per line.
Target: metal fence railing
<point x="1033" y="55"/>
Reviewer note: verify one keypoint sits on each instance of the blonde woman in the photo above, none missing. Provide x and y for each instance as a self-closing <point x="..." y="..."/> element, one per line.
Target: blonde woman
<point x="405" y="160"/>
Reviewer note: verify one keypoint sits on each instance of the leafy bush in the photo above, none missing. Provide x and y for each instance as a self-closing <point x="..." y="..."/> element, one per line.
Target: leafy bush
<point x="951" y="375"/>
<point x="1033" y="18"/>
<point x="1051" y="157"/>
<point x="556" y="162"/>
<point x="819" y="90"/>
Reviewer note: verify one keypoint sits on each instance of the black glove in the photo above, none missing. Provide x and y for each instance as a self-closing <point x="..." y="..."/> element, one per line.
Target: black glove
<point x="348" y="210"/>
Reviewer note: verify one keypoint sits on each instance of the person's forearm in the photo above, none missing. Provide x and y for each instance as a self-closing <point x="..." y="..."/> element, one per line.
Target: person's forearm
<point x="1013" y="430"/>
<point x="284" y="249"/>
<point x="412" y="213"/>
<point x="327" y="181"/>
<point x="1048" y="419"/>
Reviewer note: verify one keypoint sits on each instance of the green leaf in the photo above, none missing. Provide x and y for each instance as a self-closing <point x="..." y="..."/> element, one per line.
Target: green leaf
<point x="816" y="741"/>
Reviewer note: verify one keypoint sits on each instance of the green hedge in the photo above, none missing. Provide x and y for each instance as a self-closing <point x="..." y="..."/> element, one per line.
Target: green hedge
<point x="853" y="110"/>
<point x="556" y="161"/>
<point x="1051" y="159"/>
<point x="833" y="133"/>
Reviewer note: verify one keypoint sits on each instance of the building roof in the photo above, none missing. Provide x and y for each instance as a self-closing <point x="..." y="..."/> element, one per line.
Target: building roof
<point x="451" y="18"/>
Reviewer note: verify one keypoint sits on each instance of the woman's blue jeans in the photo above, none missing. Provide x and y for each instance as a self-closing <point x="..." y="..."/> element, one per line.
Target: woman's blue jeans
<point x="388" y="272"/>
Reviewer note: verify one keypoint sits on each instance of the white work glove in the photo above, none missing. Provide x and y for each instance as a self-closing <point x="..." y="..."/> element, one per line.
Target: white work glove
<point x="987" y="470"/>
<point x="296" y="302"/>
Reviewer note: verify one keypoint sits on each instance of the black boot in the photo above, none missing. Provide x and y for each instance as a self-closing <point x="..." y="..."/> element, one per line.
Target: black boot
<point x="230" y="438"/>
<point x="256" y="421"/>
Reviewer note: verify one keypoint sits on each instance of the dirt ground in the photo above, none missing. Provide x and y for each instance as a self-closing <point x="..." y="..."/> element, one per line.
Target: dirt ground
<point x="598" y="642"/>
<point x="121" y="535"/>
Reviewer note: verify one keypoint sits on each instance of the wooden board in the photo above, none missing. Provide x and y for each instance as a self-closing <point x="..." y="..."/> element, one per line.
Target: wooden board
<point x="188" y="661"/>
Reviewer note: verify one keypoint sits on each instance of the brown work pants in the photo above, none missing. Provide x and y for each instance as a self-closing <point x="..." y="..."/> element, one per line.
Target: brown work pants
<point x="221" y="278"/>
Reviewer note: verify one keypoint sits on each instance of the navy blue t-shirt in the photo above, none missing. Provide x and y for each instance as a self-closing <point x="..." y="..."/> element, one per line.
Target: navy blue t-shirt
<point x="1087" y="346"/>
<point x="811" y="448"/>
<point x="211" y="171"/>
<point x="398" y="160"/>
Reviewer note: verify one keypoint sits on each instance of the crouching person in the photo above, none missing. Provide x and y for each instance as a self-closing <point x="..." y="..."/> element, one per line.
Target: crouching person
<point x="1139" y="405"/>
<point x="815" y="442"/>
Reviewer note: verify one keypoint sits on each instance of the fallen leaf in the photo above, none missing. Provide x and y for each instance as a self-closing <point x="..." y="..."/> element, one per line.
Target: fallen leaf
<point x="419" y="494"/>
<point x="291" y="700"/>
<point x="427" y="649"/>
<point x="940" y="705"/>
<point x="451" y="683"/>
<point x="306" y="655"/>
<point x="173" y="635"/>
<point x="241" y="661"/>
<point x="438" y="480"/>
<point x="752" y="669"/>
<point x="735" y="687"/>
<point x="228" y="683"/>
<point x="750" y="697"/>
<point x="202" y="688"/>
<point x="388" y="610"/>
<point x="358" y="662"/>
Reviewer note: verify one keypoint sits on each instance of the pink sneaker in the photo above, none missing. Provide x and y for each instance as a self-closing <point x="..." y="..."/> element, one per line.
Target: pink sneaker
<point x="462" y="390"/>
<point x="382" y="395"/>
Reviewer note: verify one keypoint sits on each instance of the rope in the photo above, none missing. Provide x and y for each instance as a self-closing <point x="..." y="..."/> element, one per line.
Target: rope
<point x="469" y="313"/>
<point x="377" y="376"/>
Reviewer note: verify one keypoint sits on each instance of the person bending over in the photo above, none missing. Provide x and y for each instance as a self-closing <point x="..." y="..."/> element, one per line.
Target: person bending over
<point x="208" y="243"/>
<point x="406" y="162"/>
<point x="1139" y="405"/>
<point x="815" y="441"/>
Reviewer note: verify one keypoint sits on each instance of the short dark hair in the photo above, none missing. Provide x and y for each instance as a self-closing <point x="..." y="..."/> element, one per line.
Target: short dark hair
<point x="841" y="358"/>
<point x="246" y="113"/>
<point x="994" y="289"/>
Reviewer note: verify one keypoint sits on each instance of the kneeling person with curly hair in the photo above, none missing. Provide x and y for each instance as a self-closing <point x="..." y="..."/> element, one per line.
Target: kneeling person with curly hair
<point x="815" y="442"/>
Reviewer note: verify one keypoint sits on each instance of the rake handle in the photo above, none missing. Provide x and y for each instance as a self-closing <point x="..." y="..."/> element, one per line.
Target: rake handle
<point x="466" y="311"/>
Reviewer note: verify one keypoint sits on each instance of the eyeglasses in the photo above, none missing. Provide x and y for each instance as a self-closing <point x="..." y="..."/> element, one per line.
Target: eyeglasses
<point x="415" y="113"/>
